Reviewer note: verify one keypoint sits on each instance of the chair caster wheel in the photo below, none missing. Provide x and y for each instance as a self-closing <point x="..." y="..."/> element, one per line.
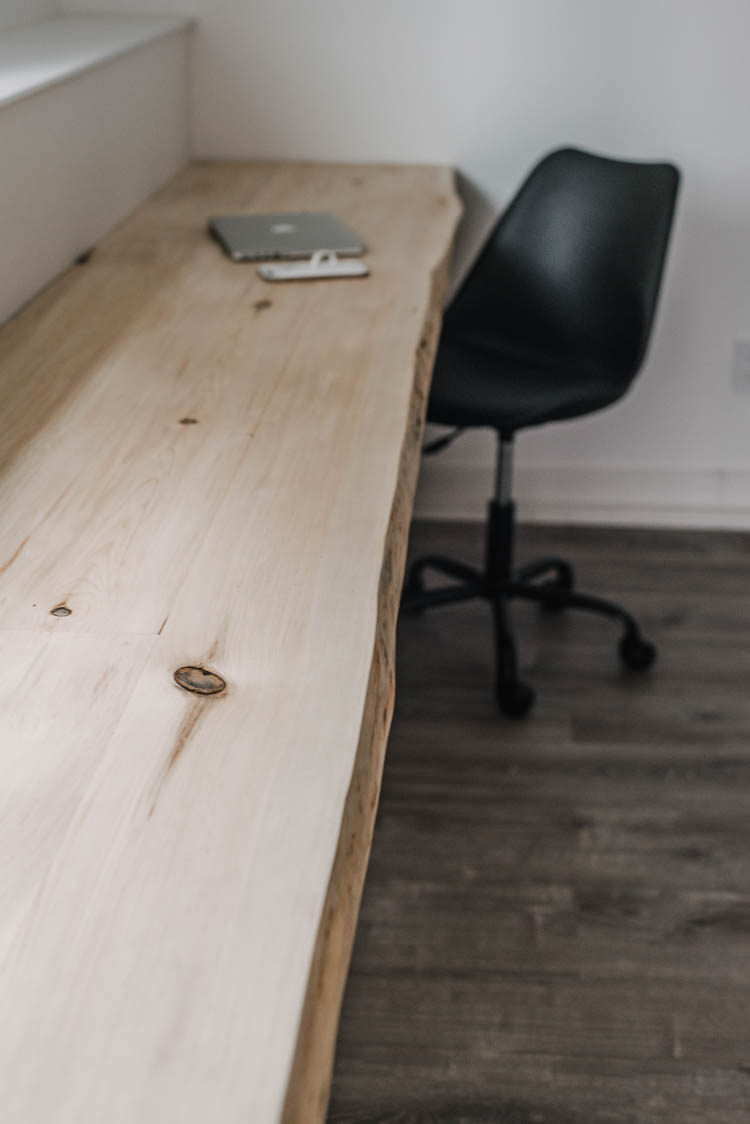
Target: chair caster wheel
<point x="636" y="653"/>
<point x="514" y="698"/>
<point x="554" y="596"/>
<point x="556" y="589"/>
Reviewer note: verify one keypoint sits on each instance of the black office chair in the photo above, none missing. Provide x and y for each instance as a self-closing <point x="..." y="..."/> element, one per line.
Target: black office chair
<point x="552" y="322"/>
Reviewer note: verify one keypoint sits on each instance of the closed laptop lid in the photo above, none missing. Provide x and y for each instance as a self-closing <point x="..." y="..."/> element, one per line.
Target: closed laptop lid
<point x="296" y="234"/>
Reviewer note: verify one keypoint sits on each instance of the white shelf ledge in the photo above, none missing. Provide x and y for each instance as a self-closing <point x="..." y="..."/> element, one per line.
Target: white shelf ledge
<point x="43" y="54"/>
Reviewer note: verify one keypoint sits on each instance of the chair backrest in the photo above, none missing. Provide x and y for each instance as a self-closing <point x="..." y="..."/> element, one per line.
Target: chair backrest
<point x="571" y="272"/>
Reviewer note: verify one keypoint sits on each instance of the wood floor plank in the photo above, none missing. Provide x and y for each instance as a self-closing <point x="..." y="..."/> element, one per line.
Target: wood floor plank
<point x="556" y="916"/>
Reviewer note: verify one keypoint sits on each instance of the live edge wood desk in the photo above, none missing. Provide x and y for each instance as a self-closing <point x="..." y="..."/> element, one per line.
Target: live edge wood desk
<point x="199" y="469"/>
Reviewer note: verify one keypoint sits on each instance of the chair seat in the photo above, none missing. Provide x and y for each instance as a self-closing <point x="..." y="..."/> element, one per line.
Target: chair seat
<point x="477" y="387"/>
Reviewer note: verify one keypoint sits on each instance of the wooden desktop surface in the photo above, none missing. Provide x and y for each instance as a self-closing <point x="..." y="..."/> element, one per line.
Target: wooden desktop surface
<point x="201" y="469"/>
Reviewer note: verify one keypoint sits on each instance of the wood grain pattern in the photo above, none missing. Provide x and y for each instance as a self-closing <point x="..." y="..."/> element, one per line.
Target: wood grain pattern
<point x="555" y="921"/>
<point x="307" y="1099"/>
<point x="48" y="754"/>
<point x="158" y="963"/>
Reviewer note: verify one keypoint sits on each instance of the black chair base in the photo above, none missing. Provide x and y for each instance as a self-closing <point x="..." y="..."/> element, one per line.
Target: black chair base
<point x="550" y="582"/>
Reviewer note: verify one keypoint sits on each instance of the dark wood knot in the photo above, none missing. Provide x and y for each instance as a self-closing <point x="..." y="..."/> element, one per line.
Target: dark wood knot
<point x="199" y="680"/>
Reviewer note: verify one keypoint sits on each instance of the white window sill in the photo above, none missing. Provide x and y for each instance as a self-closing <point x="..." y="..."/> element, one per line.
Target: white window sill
<point x="43" y="54"/>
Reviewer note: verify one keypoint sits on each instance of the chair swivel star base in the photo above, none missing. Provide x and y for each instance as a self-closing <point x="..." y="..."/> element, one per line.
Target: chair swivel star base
<point x="548" y="581"/>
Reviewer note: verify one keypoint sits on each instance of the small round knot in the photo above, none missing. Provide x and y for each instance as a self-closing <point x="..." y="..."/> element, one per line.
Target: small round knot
<point x="199" y="680"/>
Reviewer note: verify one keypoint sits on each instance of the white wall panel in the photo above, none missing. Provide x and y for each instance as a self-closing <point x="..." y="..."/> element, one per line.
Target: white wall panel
<point x="80" y="156"/>
<point x="16" y="13"/>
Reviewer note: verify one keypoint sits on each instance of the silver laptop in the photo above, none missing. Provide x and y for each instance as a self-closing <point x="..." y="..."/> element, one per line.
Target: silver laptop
<point x="294" y="235"/>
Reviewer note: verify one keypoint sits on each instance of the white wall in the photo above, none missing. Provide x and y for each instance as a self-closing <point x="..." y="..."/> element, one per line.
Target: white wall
<point x="78" y="157"/>
<point x="488" y="85"/>
<point x="16" y="13"/>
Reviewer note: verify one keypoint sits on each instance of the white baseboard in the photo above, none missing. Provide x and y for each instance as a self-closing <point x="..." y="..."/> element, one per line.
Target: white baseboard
<point x="621" y="495"/>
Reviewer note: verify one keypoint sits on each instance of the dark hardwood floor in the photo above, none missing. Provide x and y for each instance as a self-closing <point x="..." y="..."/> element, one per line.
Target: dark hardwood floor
<point x="556" y="920"/>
